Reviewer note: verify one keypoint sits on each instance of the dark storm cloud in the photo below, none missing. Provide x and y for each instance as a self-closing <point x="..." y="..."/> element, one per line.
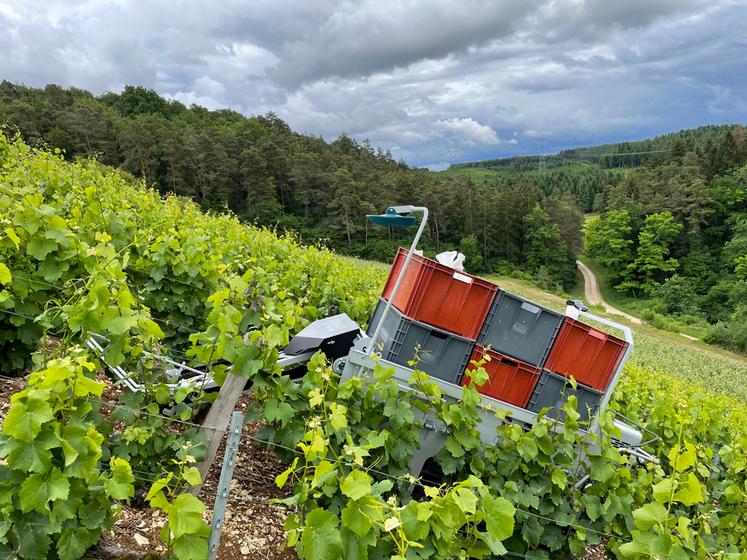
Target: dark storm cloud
<point x="372" y="36"/>
<point x="422" y="78"/>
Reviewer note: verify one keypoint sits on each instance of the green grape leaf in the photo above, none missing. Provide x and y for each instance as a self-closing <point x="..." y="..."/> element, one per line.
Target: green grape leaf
<point x="185" y="515"/>
<point x="356" y="547"/>
<point x="13" y="236"/>
<point x="119" y="483"/>
<point x="73" y="442"/>
<point x="454" y="447"/>
<point x="26" y="417"/>
<point x="162" y="393"/>
<point x="39" y="248"/>
<point x="690" y="492"/>
<point x="412" y="524"/>
<point x="650" y="515"/>
<point x="182" y="393"/>
<point x="279" y="411"/>
<point x="246" y="363"/>
<point x="89" y="453"/>
<point x="356" y="485"/>
<point x="338" y="420"/>
<point x="321" y="538"/>
<point x="192" y="547"/>
<point x="559" y="478"/>
<point x="382" y="487"/>
<point x="465" y="499"/>
<point x="592" y="506"/>
<point x="682" y="460"/>
<point x="355" y="518"/>
<point x="75" y="541"/>
<point x="32" y="535"/>
<point x="118" y="324"/>
<point x="527" y="448"/>
<point x="601" y="472"/>
<point x="323" y="473"/>
<point x="282" y="478"/>
<point x="499" y="517"/>
<point x="157" y="486"/>
<point x="192" y="476"/>
<point x="38" y="490"/>
<point x="85" y="387"/>
<point x="662" y="490"/>
<point x="92" y="514"/>
<point x="5" y="276"/>
<point x="734" y="494"/>
<point x="33" y="456"/>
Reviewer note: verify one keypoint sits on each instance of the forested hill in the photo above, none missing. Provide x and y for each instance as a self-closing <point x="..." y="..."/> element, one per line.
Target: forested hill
<point x="261" y="170"/>
<point x="714" y="145"/>
<point x="265" y="173"/>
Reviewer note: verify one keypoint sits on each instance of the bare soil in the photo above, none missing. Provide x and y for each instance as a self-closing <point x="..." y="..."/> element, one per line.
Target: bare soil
<point x="253" y="527"/>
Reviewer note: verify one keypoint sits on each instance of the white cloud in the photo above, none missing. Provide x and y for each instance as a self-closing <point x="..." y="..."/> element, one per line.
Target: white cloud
<point x="418" y="77"/>
<point x="469" y="130"/>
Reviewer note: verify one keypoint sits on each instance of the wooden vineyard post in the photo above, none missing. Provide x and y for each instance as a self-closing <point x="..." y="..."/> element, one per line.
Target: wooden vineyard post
<point x="217" y="419"/>
<point x="224" y="484"/>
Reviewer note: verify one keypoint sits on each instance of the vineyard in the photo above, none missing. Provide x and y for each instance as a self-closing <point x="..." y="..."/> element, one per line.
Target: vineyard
<point x="86" y="249"/>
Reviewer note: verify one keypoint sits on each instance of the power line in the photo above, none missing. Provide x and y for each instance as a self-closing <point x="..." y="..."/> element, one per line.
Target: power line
<point x="602" y="154"/>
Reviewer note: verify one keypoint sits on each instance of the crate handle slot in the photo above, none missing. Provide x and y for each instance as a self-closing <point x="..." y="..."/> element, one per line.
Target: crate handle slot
<point x="529" y="308"/>
<point x="439" y="335"/>
<point x="462" y="278"/>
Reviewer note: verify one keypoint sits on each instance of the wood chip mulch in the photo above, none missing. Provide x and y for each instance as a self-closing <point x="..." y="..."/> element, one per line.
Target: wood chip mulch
<point x="253" y="527"/>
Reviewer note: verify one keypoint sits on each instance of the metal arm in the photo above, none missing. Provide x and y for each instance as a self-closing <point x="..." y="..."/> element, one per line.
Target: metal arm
<point x="399" y="209"/>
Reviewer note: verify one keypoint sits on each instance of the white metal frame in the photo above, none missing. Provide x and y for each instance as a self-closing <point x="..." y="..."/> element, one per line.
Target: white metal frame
<point x="423" y="222"/>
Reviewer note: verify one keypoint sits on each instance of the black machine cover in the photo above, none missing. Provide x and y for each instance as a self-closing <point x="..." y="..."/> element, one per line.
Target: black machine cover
<point x="333" y="335"/>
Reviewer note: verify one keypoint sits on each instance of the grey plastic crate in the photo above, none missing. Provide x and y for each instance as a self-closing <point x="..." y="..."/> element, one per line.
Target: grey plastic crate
<point x="443" y="355"/>
<point x="553" y="390"/>
<point x="520" y="329"/>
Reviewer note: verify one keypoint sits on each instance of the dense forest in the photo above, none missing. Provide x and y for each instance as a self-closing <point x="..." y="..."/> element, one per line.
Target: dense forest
<point x="672" y="230"/>
<point x="265" y="173"/>
<point x="675" y="232"/>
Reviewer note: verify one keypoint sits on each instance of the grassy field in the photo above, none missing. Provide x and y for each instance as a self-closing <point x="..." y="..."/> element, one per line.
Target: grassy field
<point x="478" y="175"/>
<point x="717" y="370"/>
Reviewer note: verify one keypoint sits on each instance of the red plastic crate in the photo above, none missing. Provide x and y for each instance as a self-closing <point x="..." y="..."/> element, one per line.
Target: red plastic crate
<point x="440" y="296"/>
<point x="588" y="354"/>
<point x="509" y="380"/>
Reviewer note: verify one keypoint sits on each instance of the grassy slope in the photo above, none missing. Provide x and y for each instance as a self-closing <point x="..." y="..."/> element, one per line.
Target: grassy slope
<point x="477" y="175"/>
<point x="693" y="361"/>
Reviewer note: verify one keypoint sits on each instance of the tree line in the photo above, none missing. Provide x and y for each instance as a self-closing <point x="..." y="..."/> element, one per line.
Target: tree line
<point x="265" y="173"/>
<point x="675" y="232"/>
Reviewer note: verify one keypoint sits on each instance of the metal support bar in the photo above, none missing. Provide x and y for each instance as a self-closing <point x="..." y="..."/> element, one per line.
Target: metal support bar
<point x="224" y="485"/>
<point x="573" y="313"/>
<point x="200" y="379"/>
<point x="424" y="221"/>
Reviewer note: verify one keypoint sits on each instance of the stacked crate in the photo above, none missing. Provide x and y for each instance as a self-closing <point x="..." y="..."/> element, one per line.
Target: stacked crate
<point x="437" y="308"/>
<point x="528" y="351"/>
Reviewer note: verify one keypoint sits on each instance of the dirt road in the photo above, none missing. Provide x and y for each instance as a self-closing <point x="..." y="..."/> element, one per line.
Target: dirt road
<point x="593" y="295"/>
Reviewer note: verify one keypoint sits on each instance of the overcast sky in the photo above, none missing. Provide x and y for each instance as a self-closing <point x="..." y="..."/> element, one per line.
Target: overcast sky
<point x="432" y="81"/>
